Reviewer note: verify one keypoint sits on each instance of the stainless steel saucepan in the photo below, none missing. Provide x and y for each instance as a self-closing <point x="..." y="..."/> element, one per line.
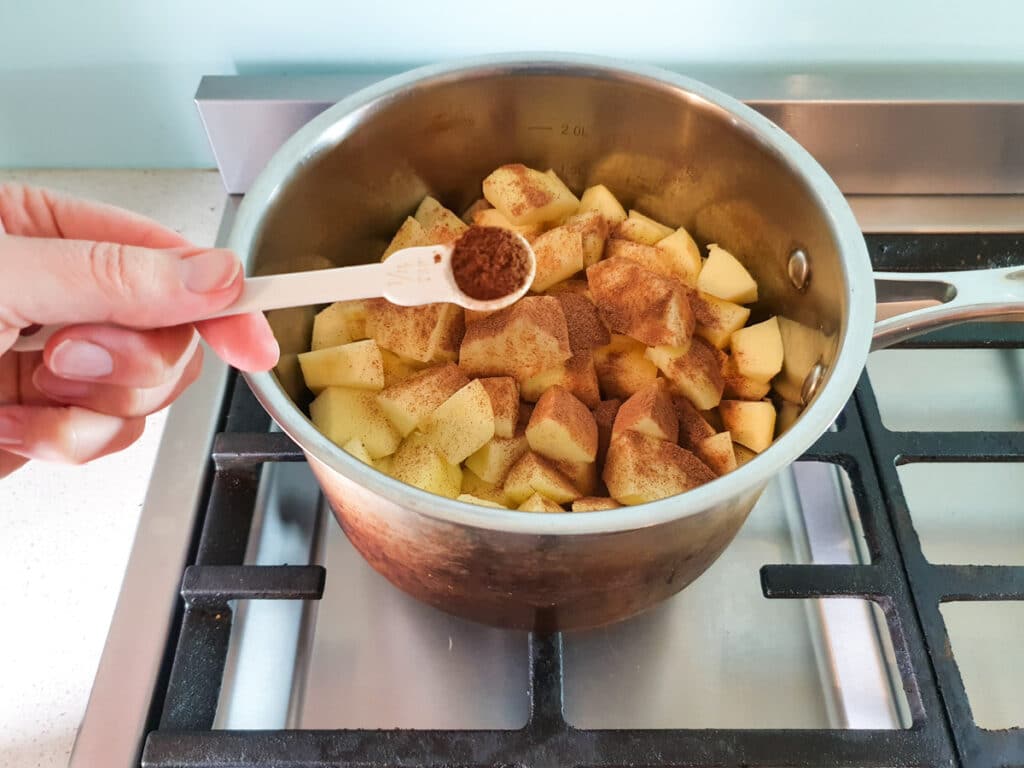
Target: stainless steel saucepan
<point x="673" y="148"/>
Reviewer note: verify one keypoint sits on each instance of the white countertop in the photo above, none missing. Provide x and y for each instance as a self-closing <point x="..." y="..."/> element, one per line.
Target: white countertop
<point x="65" y="532"/>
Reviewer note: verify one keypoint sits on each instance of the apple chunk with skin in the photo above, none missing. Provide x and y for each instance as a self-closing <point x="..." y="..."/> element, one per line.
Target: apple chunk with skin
<point x="561" y="428"/>
<point x="750" y="424"/>
<point x="408" y="403"/>
<point x="757" y="350"/>
<point x="649" y="412"/>
<point x="462" y="424"/>
<point x="641" y="469"/>
<point x="723" y="276"/>
<point x="695" y="372"/>
<point x="358" y="365"/>
<point x="342" y="414"/>
<point x="527" y="196"/>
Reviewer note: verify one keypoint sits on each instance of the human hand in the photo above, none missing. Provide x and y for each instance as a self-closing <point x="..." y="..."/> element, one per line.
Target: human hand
<point x="85" y="265"/>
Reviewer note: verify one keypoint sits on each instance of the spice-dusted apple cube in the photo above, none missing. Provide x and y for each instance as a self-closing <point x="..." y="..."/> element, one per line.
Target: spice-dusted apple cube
<point x="802" y="348"/>
<point x="577" y="375"/>
<point x="717" y="452"/>
<point x="398" y="368"/>
<point x="538" y="503"/>
<point x="562" y="188"/>
<point x="493" y="218"/>
<point x="340" y="323"/>
<point x="649" y="412"/>
<point x="740" y="387"/>
<point x="408" y="403"/>
<point x="582" y="474"/>
<point x="535" y="474"/>
<point x="594" y="504"/>
<point x="428" y="333"/>
<point x="504" y="394"/>
<point x="529" y="337"/>
<point x="641" y="229"/>
<point x="495" y="458"/>
<point x="586" y="330"/>
<point x="685" y="254"/>
<point x="694" y="372"/>
<point x="723" y="276"/>
<point x="604" y="415"/>
<point x="788" y="413"/>
<point x="757" y="350"/>
<point x="356" y="448"/>
<point x="342" y="414"/>
<point x="559" y="254"/>
<point x="622" y="367"/>
<point x="693" y="427"/>
<point x="641" y="469"/>
<point x="637" y="302"/>
<point x="439" y="224"/>
<point x="599" y="198"/>
<point x="356" y="365"/>
<point x="593" y="228"/>
<point x="717" y="319"/>
<point x="562" y="428"/>
<point x="417" y="462"/>
<point x="527" y="196"/>
<point x="471" y="499"/>
<point x="650" y="257"/>
<point x="462" y="424"/>
<point x="751" y="424"/>
<point x="410" y="235"/>
<point x="474" y="486"/>
<point x="743" y="454"/>
<point x="480" y="204"/>
<point x="575" y="285"/>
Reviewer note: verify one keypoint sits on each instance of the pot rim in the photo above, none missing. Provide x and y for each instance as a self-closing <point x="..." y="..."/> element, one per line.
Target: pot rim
<point x="327" y="129"/>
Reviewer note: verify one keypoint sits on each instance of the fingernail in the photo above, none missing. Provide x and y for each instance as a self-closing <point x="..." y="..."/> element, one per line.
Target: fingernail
<point x="79" y="359"/>
<point x="210" y="271"/>
<point x="10" y="429"/>
<point x="59" y="388"/>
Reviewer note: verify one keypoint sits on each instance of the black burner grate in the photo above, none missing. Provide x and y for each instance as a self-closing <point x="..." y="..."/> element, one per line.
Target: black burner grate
<point x="907" y="588"/>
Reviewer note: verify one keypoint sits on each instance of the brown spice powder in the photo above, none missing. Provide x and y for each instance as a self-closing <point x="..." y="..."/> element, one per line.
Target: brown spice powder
<point x="489" y="262"/>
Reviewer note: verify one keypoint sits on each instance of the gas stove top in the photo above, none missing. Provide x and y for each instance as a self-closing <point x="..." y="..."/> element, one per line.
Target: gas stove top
<point x="249" y="632"/>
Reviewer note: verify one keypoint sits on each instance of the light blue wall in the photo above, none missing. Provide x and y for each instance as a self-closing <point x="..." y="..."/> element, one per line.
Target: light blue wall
<point x="110" y="82"/>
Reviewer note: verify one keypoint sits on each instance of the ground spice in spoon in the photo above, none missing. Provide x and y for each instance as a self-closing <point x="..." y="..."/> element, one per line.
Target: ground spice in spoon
<point x="489" y="262"/>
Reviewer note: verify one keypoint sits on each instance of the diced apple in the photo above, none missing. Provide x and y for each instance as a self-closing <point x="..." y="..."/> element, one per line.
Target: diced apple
<point x="472" y="315"/>
<point x="593" y="229"/>
<point x="398" y="368"/>
<point x="639" y="303"/>
<point x="494" y="218"/>
<point x="717" y="452"/>
<point x="480" y="204"/>
<point x="788" y="413"/>
<point x="470" y="499"/>
<point x="582" y="474"/>
<point x="527" y="196"/>
<point x="538" y="503"/>
<point x="802" y="348"/>
<point x="356" y="448"/>
<point x="504" y="394"/>
<point x="521" y="341"/>
<point x="495" y="458"/>
<point x="409" y="235"/>
<point x="559" y="254"/>
<point x="562" y="189"/>
<point x="757" y="350"/>
<point x="740" y="387"/>
<point x="439" y="224"/>
<point x="586" y="330"/>
<point x="409" y="403"/>
<point x="474" y="486"/>
<point x="649" y="412"/>
<point x="743" y="454"/>
<point x="751" y="424"/>
<point x="693" y="427"/>
<point x="417" y="462"/>
<point x="342" y="414"/>
<point x="562" y="428"/>
<point x="462" y="424"/>
<point x="340" y="323"/>
<point x="694" y="373"/>
<point x="641" y="229"/>
<point x="427" y="333"/>
<point x="574" y="285"/>
<point x="685" y="254"/>
<point x="535" y="474"/>
<point x="594" y="504"/>
<point x="578" y="375"/>
<point x="622" y="367"/>
<point x="599" y="198"/>
<point x="723" y="276"/>
<point x="650" y="257"/>
<point x="358" y="365"/>
<point x="717" y="319"/>
<point x="604" y="415"/>
<point x="641" y="469"/>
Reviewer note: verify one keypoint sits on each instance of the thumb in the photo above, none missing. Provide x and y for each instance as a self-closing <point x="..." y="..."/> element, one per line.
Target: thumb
<point x="50" y="281"/>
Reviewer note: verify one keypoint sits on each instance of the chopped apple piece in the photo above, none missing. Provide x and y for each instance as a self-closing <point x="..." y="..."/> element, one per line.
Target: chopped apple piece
<point x="358" y="365"/>
<point x="757" y="350"/>
<point x="504" y="394"/>
<point x="398" y="368"/>
<point x="802" y="348"/>
<point x="527" y="196"/>
<point x="409" y="403"/>
<point x="695" y="372"/>
<point x="751" y="424"/>
<point x="650" y="257"/>
<point x="693" y="427"/>
<point x="538" y="503"/>
<point x="559" y="253"/>
<point x="641" y="469"/>
<point x="740" y="387"/>
<point x="578" y="375"/>
<point x="495" y="458"/>
<point x="493" y="218"/>
<point x="593" y="229"/>
<point x="743" y="454"/>
<point x="717" y="319"/>
<point x="622" y="367"/>
<point x="462" y="424"/>
<point x="439" y="224"/>
<point x="586" y="331"/>
<point x="535" y="474"/>
<point x="409" y="235"/>
<point x="561" y="428"/>
<point x="685" y="255"/>
<point x="723" y="276"/>
<point x="598" y="198"/>
<point x="521" y="341"/>
<point x="417" y="462"/>
<point x="788" y="413"/>
<point x="342" y="414"/>
<point x="562" y="189"/>
<point x="480" y="204"/>
<point x="594" y="504"/>
<point x="717" y="452"/>
<point x="639" y="303"/>
<point x="571" y="286"/>
<point x="356" y="448"/>
<point x="340" y="323"/>
<point x="470" y="499"/>
<point x="604" y="415"/>
<point x="428" y="333"/>
<point x="582" y="474"/>
<point x="649" y="412"/>
<point x="641" y="229"/>
<point x="474" y="486"/>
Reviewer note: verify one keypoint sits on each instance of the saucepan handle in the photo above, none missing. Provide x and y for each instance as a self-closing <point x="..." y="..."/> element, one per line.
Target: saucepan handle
<point x="912" y="303"/>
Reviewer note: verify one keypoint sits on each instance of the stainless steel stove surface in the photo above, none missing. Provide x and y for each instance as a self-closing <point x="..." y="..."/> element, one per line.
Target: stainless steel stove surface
<point x="719" y="656"/>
